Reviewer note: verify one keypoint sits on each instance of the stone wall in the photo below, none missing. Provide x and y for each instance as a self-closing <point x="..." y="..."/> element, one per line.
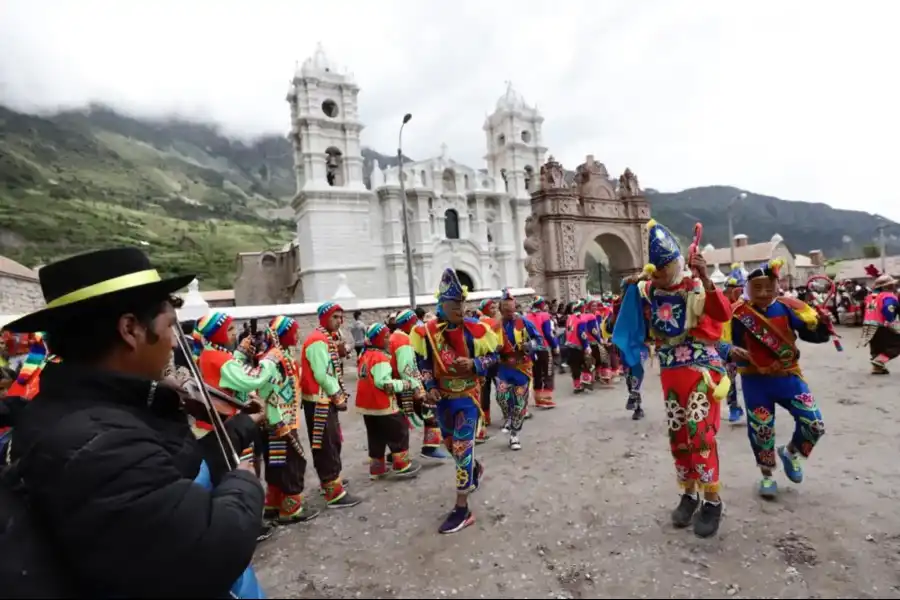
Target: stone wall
<point x="19" y="295"/>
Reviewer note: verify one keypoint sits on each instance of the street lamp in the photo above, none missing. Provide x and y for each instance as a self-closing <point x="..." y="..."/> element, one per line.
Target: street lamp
<point x="731" y="204"/>
<point x="406" y="246"/>
<point x="882" y="243"/>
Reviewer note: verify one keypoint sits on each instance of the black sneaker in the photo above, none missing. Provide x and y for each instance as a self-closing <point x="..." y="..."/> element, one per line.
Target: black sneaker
<point x="629" y="405"/>
<point x="345" y="501"/>
<point x="266" y="531"/>
<point x="681" y="516"/>
<point x="638" y="414"/>
<point x="458" y="519"/>
<point x="706" y="521"/>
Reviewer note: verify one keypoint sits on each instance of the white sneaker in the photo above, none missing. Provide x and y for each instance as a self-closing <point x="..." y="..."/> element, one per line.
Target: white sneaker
<point x="505" y="428"/>
<point x="514" y="443"/>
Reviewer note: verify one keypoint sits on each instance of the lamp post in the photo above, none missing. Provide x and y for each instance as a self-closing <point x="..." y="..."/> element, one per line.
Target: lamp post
<point x="882" y="242"/>
<point x="406" y="246"/>
<point x="731" y="204"/>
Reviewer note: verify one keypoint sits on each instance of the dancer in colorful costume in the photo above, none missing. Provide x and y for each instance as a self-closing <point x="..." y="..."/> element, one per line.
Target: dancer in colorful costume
<point x="231" y="371"/>
<point x="405" y="367"/>
<point x="376" y="399"/>
<point x="322" y="389"/>
<point x="578" y="349"/>
<point x="27" y="382"/>
<point x="601" y="371"/>
<point x="490" y="315"/>
<point x="457" y="351"/>
<point x="547" y="348"/>
<point x="734" y="289"/>
<point x="518" y="342"/>
<point x="634" y="377"/>
<point x="683" y="316"/>
<point x="881" y="326"/>
<point x="763" y="334"/>
<point x="285" y="459"/>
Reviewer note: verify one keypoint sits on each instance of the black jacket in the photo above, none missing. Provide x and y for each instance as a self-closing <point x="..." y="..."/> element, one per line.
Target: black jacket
<point x="109" y="463"/>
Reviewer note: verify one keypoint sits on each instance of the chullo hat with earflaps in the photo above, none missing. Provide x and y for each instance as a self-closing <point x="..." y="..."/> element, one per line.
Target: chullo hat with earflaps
<point x="89" y="283"/>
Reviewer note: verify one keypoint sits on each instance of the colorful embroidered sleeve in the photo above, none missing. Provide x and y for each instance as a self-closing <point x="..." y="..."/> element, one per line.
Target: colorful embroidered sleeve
<point x="724" y="350"/>
<point x="426" y="366"/>
<point x="805" y="321"/>
<point x="484" y="344"/>
<point x="594" y="331"/>
<point x="383" y="380"/>
<point x="717" y="307"/>
<point x="584" y="336"/>
<point x="238" y="377"/>
<point x="407" y="365"/>
<point x="320" y="362"/>
<point x="547" y="330"/>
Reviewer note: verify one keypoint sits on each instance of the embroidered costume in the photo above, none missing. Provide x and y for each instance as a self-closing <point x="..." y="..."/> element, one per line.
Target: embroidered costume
<point x="231" y="372"/>
<point x="488" y="315"/>
<point x="518" y="341"/>
<point x="376" y="399"/>
<point x="455" y="355"/>
<point x="547" y="346"/>
<point x="405" y="365"/>
<point x="578" y="349"/>
<point x="684" y="321"/>
<point x="322" y="391"/>
<point x="634" y="377"/>
<point x="285" y="460"/>
<point x="734" y="288"/>
<point x="773" y="377"/>
<point x="881" y="327"/>
<point x="602" y="370"/>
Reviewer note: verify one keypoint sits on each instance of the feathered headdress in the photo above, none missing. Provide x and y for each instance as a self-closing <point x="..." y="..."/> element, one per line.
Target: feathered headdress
<point x="770" y="269"/>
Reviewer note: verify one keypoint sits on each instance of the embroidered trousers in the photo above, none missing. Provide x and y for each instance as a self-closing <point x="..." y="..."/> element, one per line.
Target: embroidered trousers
<point x="693" y="413"/>
<point x="458" y="418"/>
<point x="327" y="459"/>
<point x="761" y="394"/>
<point x="602" y="369"/>
<point x="633" y="381"/>
<point x="512" y="396"/>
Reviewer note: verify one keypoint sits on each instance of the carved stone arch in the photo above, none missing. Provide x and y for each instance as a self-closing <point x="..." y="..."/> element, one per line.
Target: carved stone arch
<point x="619" y="248"/>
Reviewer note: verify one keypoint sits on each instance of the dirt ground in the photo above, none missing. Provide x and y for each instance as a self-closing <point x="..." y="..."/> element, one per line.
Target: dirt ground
<point x="583" y="510"/>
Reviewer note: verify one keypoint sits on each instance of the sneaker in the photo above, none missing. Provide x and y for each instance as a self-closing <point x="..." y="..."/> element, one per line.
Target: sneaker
<point x="793" y="466"/>
<point x="436" y="454"/>
<point x="768" y="489"/>
<point x="266" y="531"/>
<point x="528" y="415"/>
<point x="506" y="427"/>
<point x="458" y="519"/>
<point x="303" y="516"/>
<point x="631" y="403"/>
<point x="409" y="472"/>
<point x="346" y="483"/>
<point x="638" y="414"/>
<point x="706" y="521"/>
<point x="735" y="414"/>
<point x="682" y="515"/>
<point x="514" y="443"/>
<point x="482" y="437"/>
<point x="345" y="501"/>
<point x="578" y="390"/>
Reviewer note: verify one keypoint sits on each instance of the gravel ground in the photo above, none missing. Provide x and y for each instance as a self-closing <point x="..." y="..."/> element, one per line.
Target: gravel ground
<point x="583" y="510"/>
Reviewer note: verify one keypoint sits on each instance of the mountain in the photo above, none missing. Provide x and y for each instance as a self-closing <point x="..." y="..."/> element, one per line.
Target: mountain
<point x="194" y="197"/>
<point x="804" y="226"/>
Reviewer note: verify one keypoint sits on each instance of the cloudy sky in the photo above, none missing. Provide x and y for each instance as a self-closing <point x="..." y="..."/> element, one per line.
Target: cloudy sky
<point x="794" y="99"/>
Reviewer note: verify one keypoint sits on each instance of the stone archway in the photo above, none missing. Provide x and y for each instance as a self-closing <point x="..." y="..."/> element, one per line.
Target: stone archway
<point x="607" y="258"/>
<point x="569" y="218"/>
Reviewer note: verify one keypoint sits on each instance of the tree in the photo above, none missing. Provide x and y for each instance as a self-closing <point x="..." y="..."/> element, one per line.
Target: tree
<point x="871" y="251"/>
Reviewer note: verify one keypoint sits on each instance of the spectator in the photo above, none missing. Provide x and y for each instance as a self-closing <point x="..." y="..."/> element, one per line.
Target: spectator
<point x="358" y="331"/>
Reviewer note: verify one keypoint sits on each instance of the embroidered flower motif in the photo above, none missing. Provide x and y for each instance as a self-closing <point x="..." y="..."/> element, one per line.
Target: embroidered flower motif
<point x="681" y="472"/>
<point x="683" y="354"/>
<point x="766" y="458"/>
<point x="462" y="478"/>
<point x="706" y="475"/>
<point x="761" y="414"/>
<point x="764" y="435"/>
<point x="676" y="415"/>
<point x="806" y="399"/>
<point x="817" y="428"/>
<point x="664" y="312"/>
<point x="460" y="447"/>
<point x="697" y="406"/>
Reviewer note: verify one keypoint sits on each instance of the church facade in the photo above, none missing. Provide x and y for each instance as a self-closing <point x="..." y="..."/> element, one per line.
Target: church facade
<point x="470" y="219"/>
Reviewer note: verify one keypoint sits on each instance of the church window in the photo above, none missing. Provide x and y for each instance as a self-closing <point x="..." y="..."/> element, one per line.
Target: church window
<point x="334" y="167"/>
<point x="451" y="224"/>
<point x="422" y="177"/>
<point x="330" y="108"/>
<point x="526" y="136"/>
<point x="466" y="181"/>
<point x="449" y="180"/>
<point x="501" y="140"/>
<point x="529" y="178"/>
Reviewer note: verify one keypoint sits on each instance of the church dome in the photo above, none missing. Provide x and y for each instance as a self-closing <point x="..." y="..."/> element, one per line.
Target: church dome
<point x="511" y="100"/>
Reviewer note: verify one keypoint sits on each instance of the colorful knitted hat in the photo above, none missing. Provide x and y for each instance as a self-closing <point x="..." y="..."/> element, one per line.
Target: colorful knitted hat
<point x="325" y="310"/>
<point x="281" y="325"/>
<point x="736" y="276"/>
<point x="769" y="269"/>
<point x="405" y="317"/>
<point x="450" y="289"/>
<point x="214" y="327"/>
<point x="486" y="304"/>
<point x="37" y="352"/>
<point x="376" y="335"/>
<point x="662" y="246"/>
<point x="539" y="302"/>
<point x="505" y="294"/>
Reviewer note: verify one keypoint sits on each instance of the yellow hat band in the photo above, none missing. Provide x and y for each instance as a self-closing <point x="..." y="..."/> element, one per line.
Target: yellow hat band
<point x="116" y="284"/>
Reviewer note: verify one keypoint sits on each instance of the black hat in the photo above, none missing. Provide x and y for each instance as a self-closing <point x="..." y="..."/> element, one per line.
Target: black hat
<point x="81" y="284"/>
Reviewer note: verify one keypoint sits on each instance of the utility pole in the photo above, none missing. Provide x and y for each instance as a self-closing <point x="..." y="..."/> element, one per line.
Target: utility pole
<point x="406" y="246"/>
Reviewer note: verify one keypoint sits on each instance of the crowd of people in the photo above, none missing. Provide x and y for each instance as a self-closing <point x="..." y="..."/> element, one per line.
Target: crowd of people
<point x="135" y="471"/>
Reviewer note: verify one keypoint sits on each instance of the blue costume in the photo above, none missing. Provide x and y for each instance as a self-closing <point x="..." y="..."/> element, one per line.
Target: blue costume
<point x="516" y="350"/>
<point x="773" y="377"/>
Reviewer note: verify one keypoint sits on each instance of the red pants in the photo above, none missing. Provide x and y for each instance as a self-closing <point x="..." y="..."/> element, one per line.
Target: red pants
<point x="693" y="415"/>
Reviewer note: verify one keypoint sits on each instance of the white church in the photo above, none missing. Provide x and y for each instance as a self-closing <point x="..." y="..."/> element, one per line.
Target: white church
<point x="470" y="219"/>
